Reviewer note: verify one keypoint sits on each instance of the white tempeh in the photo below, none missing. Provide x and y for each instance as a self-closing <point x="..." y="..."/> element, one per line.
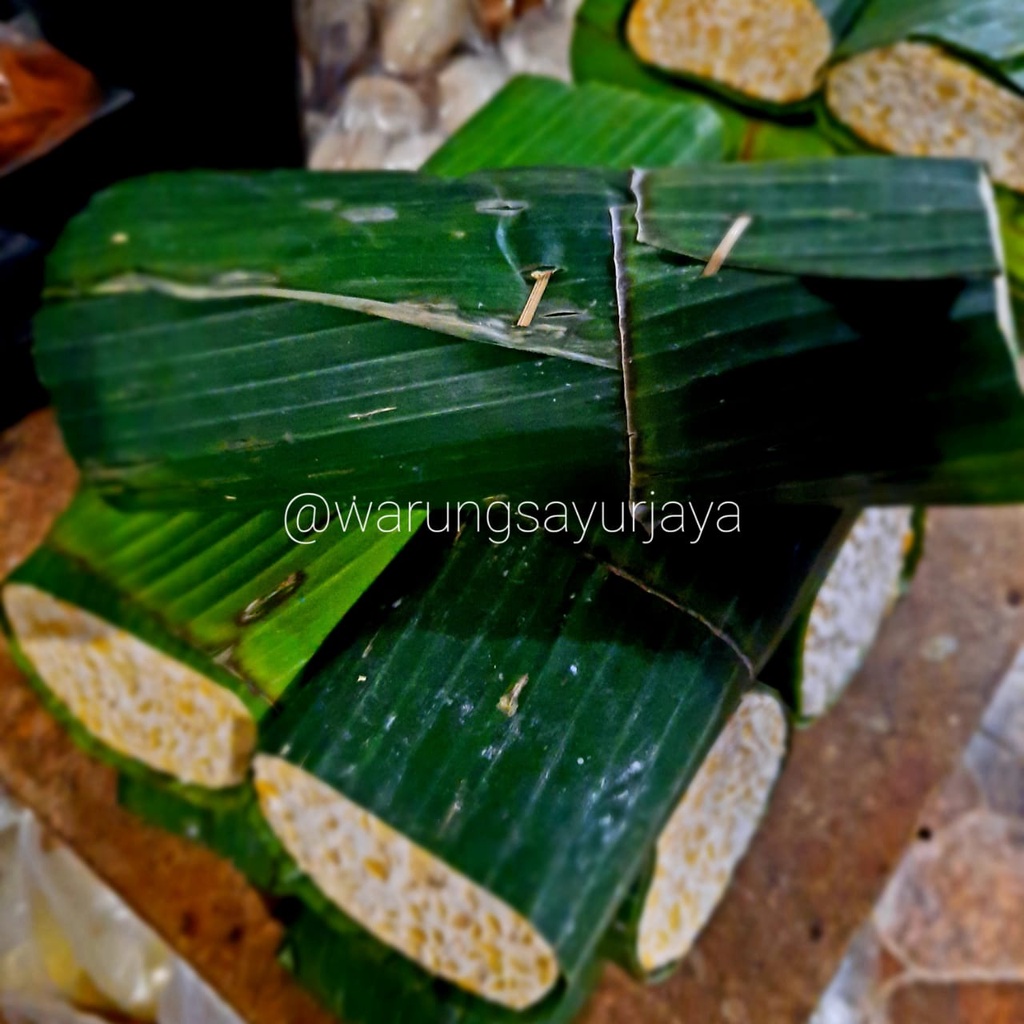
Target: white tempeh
<point x="134" y="698"/>
<point x="852" y="604"/>
<point x="710" y="830"/>
<point x="401" y="893"/>
<point x="914" y="99"/>
<point x="772" y="50"/>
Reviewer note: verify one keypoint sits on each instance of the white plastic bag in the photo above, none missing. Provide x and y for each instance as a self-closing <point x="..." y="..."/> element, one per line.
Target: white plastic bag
<point x="121" y="956"/>
<point x="189" y="1000"/>
<point x="69" y="945"/>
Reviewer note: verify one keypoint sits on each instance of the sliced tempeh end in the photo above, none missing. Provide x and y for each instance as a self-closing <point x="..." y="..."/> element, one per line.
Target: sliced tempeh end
<point x="852" y="604"/>
<point x="403" y="895"/>
<point x="916" y="100"/>
<point x="710" y="830"/>
<point x="136" y="699"/>
<point x="771" y="50"/>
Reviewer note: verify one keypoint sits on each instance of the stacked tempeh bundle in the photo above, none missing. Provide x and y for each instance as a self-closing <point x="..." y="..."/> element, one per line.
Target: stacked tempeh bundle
<point x="940" y="78"/>
<point x="169" y="636"/>
<point x="503" y="753"/>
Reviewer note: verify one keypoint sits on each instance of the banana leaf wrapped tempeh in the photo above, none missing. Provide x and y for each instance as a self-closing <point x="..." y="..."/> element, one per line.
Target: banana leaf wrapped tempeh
<point x="302" y="341"/>
<point x="936" y="78"/>
<point x="168" y="636"/>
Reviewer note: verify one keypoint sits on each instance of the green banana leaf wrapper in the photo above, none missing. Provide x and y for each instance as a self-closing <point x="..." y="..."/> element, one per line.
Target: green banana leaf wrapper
<point x="228" y="595"/>
<point x="746" y="574"/>
<point x="221" y="824"/>
<point x="786" y="546"/>
<point x="903" y="412"/>
<point x="541" y="122"/>
<point x="699" y="559"/>
<point x="300" y="342"/>
<point x="707" y="585"/>
<point x="1011" y="211"/>
<point x="599" y="53"/>
<point x="350" y="972"/>
<point x="987" y="33"/>
<point x="344" y="967"/>
<point x="553" y="805"/>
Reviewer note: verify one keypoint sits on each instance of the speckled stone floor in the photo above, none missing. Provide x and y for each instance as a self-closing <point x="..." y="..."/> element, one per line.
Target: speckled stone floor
<point x="945" y="944"/>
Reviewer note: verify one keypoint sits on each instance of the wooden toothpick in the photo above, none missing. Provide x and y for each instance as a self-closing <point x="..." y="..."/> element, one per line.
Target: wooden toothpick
<point x="727" y="244"/>
<point x="540" y="282"/>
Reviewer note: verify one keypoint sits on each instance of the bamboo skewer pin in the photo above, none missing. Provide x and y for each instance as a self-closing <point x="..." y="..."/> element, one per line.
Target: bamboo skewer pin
<point x="727" y="244"/>
<point x="540" y="282"/>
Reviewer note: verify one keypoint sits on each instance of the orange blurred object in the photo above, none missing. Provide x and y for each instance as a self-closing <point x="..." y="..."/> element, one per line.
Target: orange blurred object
<point x="494" y="16"/>
<point x="44" y="98"/>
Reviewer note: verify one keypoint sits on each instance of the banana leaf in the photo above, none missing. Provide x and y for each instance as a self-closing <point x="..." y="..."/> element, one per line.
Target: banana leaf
<point x="699" y="558"/>
<point x="680" y="132"/>
<point x="804" y="222"/>
<point x="1011" y="217"/>
<point x="959" y="322"/>
<point x="987" y="32"/>
<point x="351" y="242"/>
<point x="707" y="581"/>
<point x="350" y="972"/>
<point x="599" y="54"/>
<point x="550" y="800"/>
<point x="722" y="799"/>
<point x="704" y="572"/>
<point x="134" y="621"/>
<point x="540" y="122"/>
<point x="840" y="14"/>
<point x="177" y="384"/>
<point x="791" y="549"/>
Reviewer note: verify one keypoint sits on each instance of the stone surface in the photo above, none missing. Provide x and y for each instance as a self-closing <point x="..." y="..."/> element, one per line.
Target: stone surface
<point x="957" y="1004"/>
<point x="959" y="794"/>
<point x="465" y="85"/>
<point x="333" y="39"/>
<point x="953" y="914"/>
<point x="377" y="114"/>
<point x="411" y="153"/>
<point x="419" y="34"/>
<point x="1004" y="719"/>
<point x="538" y="42"/>
<point x="620" y="1000"/>
<point x="852" y="996"/>
<point x="384" y="105"/>
<point x="956" y="904"/>
<point x="348" y="151"/>
<point x="999" y="772"/>
<point x="494" y="16"/>
<point x="37" y="481"/>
